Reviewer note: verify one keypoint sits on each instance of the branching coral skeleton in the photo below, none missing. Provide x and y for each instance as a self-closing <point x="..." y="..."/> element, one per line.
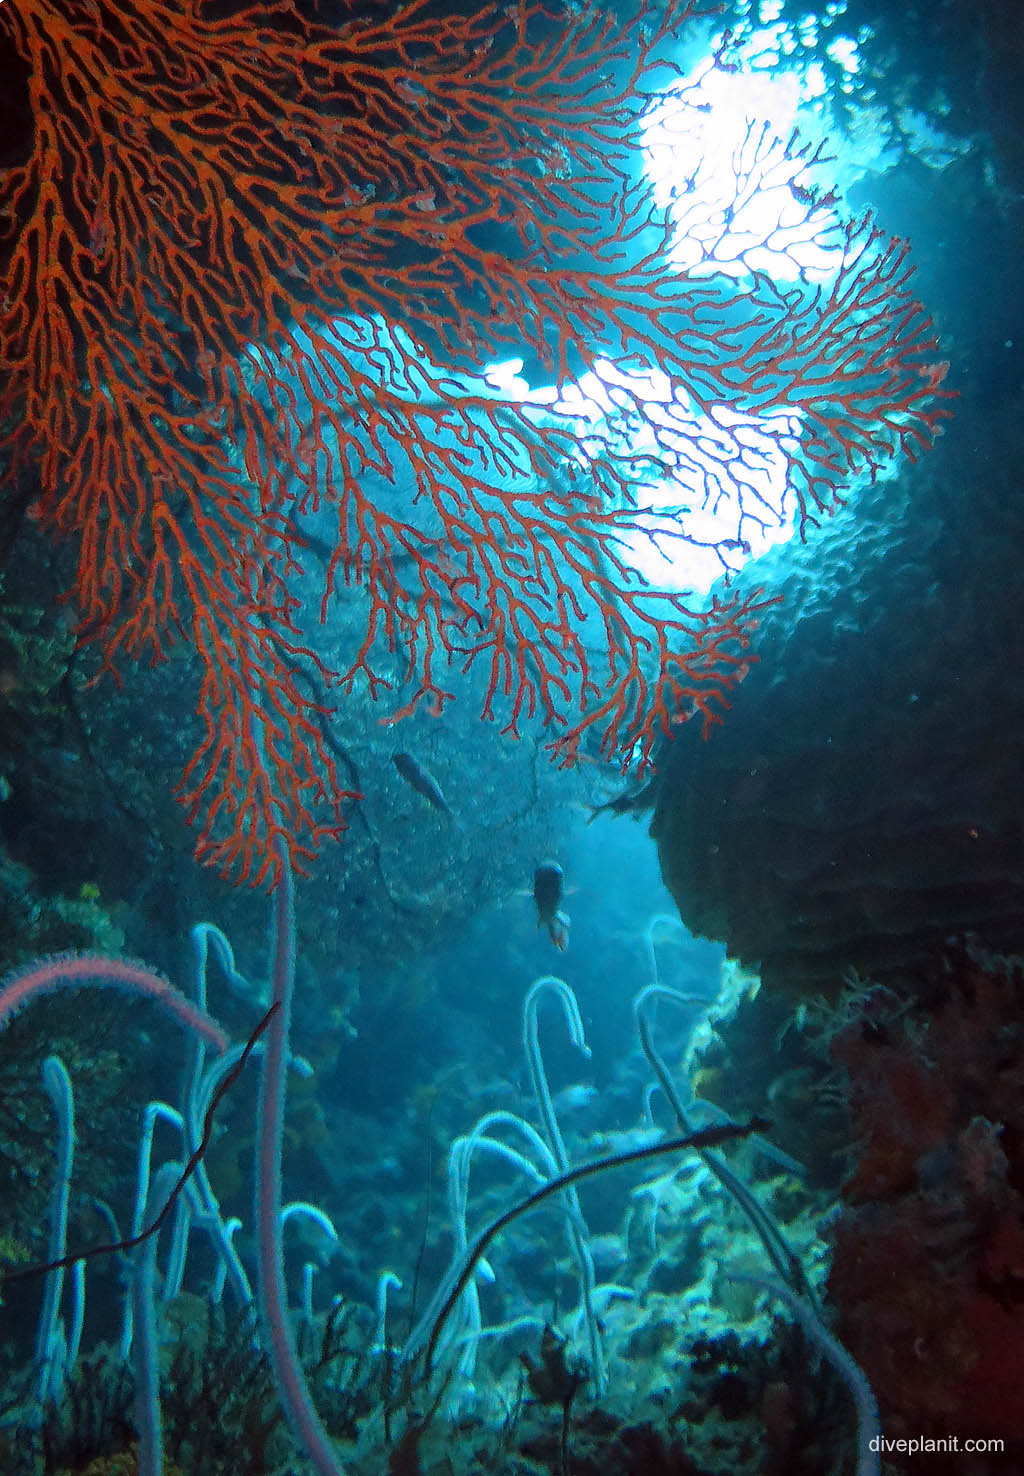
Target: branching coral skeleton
<point x="252" y="269"/>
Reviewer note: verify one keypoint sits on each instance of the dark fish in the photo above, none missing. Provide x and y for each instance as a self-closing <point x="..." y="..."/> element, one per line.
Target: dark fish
<point x="632" y="801"/>
<point x="548" y="886"/>
<point x="421" y="780"/>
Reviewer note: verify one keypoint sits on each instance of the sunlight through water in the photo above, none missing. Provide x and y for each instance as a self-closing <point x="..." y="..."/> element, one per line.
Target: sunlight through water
<point x="733" y="149"/>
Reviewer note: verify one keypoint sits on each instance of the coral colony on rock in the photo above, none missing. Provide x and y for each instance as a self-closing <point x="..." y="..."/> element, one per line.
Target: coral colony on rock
<point x="357" y="357"/>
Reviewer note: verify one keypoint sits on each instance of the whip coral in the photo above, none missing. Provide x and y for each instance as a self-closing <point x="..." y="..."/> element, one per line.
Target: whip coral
<point x="252" y="263"/>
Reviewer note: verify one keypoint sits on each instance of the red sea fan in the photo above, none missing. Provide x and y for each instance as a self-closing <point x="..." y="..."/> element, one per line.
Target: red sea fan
<point x="248" y="264"/>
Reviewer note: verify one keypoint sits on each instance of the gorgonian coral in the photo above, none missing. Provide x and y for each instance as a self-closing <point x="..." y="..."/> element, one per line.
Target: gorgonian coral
<point x="252" y="261"/>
